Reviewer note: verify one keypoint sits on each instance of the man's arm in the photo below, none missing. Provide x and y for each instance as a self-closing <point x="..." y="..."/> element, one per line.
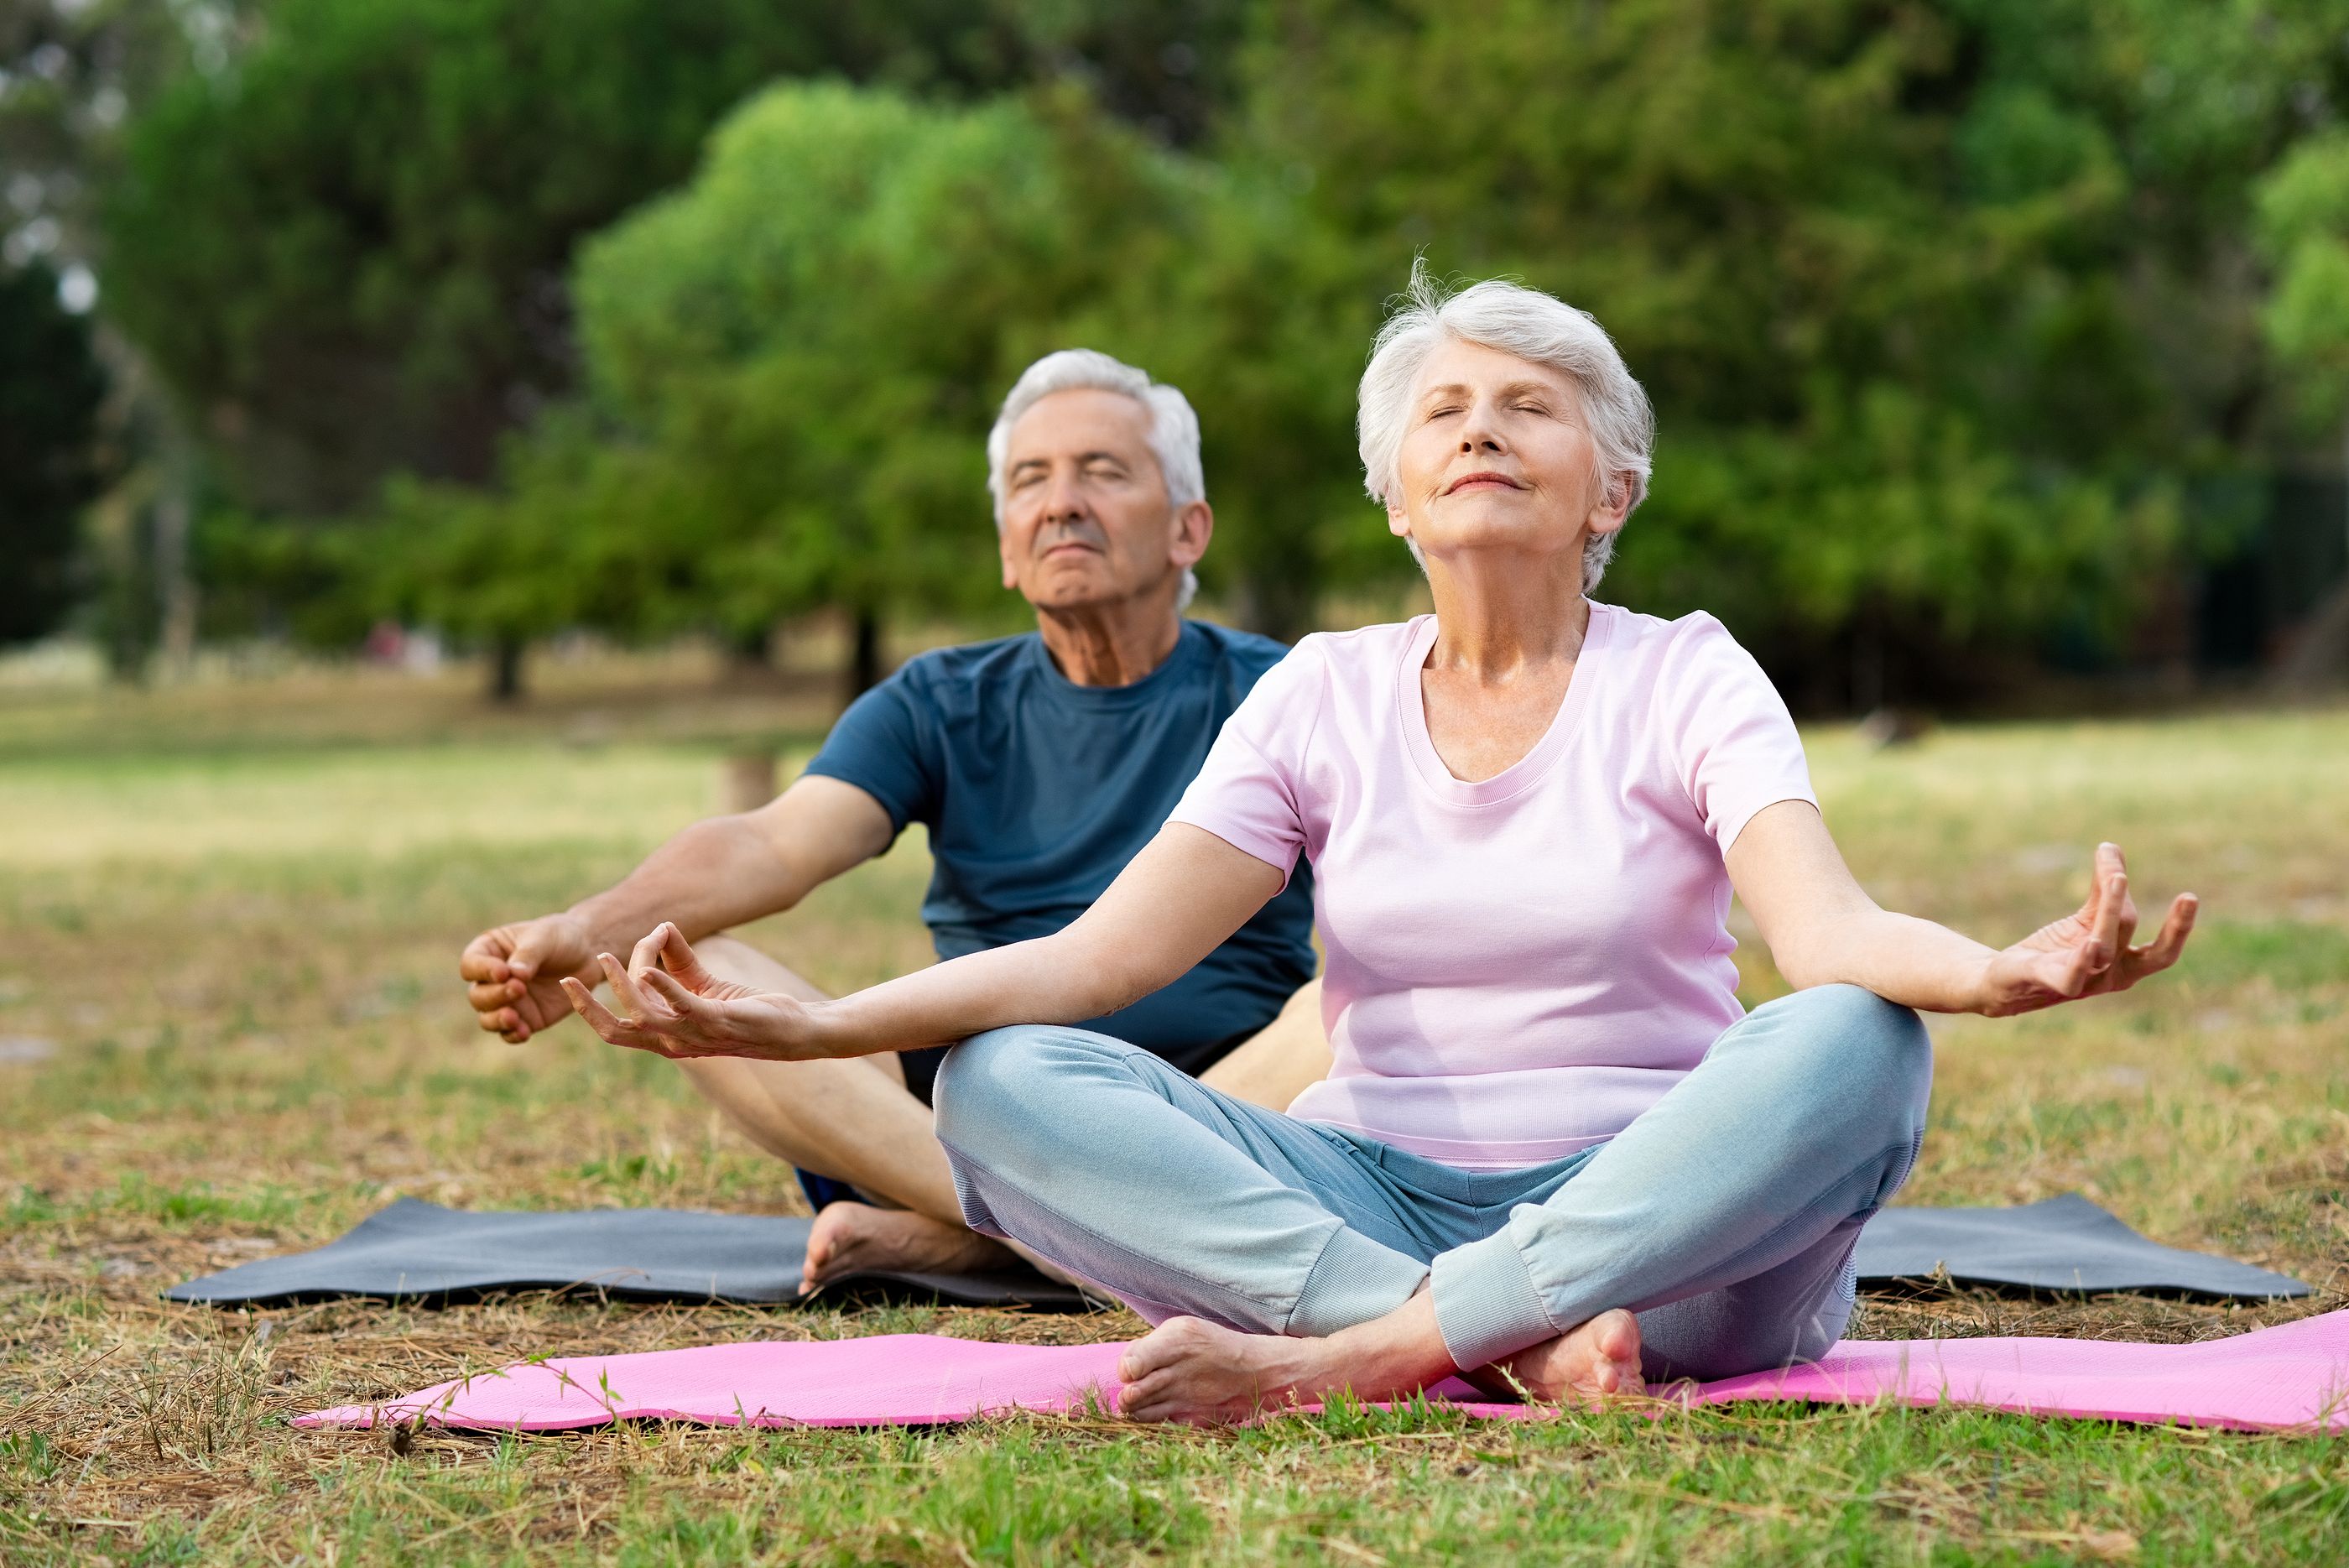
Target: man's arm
<point x="718" y="873"/>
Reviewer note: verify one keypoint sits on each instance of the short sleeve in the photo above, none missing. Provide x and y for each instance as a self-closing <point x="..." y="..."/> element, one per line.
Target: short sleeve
<point x="1732" y="740"/>
<point x="885" y="747"/>
<point x="1249" y="792"/>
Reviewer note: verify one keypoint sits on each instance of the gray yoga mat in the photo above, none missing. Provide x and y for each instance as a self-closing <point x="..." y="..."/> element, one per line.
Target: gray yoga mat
<point x="2064" y="1243"/>
<point x="415" y="1250"/>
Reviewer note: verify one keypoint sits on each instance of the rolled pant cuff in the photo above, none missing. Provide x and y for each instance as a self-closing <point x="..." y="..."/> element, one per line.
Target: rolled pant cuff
<point x="1353" y="1280"/>
<point x="1485" y="1303"/>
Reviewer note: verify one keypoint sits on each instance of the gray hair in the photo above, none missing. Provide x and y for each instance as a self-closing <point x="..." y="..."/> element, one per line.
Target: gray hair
<point x="1173" y="428"/>
<point x="1537" y="328"/>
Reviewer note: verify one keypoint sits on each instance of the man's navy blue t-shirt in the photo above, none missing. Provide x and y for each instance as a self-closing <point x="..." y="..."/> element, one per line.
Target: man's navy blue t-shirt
<point x="1037" y="791"/>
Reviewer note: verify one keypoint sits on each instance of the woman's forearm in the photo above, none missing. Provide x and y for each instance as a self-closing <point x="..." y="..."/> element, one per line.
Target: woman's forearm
<point x="1901" y="958"/>
<point x="1173" y="905"/>
<point x="1823" y="929"/>
<point x="1046" y="980"/>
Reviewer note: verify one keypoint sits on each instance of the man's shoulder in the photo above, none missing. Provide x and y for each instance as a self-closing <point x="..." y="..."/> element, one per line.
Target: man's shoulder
<point x="962" y="663"/>
<point x="1247" y="651"/>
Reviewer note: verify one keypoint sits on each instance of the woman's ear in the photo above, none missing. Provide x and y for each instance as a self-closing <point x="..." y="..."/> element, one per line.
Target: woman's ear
<point x="1398" y="521"/>
<point x="1613" y="505"/>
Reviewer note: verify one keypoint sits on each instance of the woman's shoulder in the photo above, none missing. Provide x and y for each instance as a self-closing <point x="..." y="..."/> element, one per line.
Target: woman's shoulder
<point x="1695" y="640"/>
<point x="1344" y="668"/>
<point x="1683" y="663"/>
<point x="1636" y="630"/>
<point x="1362" y="646"/>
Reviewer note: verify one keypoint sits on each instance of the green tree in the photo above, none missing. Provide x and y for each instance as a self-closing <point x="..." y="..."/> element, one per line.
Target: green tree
<point x="51" y="387"/>
<point x="348" y="251"/>
<point x="792" y="361"/>
<point x="1261" y="315"/>
<point x="1939" y="301"/>
<point x="72" y="72"/>
<point x="2303" y="209"/>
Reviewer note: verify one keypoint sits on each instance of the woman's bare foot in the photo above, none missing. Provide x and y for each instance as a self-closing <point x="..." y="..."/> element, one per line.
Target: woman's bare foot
<point x="1582" y="1368"/>
<point x="850" y="1238"/>
<point x="1190" y="1370"/>
<point x="1187" y="1369"/>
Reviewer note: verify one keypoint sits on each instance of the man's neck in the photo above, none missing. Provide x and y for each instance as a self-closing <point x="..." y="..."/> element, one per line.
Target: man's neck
<point x="1110" y="644"/>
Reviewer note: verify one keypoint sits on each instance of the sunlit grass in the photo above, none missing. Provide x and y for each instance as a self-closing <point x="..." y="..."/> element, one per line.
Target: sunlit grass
<point x="227" y="983"/>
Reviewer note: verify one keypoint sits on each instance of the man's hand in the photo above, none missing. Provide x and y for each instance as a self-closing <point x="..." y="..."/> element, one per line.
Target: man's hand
<point x="672" y="1006"/>
<point x="2087" y="953"/>
<point x="514" y="973"/>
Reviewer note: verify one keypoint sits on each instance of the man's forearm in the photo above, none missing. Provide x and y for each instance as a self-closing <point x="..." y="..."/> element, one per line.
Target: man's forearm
<point x="717" y="873"/>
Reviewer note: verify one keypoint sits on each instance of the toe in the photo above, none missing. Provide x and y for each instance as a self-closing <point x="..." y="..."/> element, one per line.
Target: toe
<point x="1161" y="1347"/>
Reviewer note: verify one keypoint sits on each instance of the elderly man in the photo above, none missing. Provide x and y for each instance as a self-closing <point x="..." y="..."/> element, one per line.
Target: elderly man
<point x="1039" y="764"/>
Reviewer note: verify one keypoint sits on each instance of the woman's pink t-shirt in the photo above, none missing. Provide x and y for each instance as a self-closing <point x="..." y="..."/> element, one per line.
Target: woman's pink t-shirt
<point x="1516" y="967"/>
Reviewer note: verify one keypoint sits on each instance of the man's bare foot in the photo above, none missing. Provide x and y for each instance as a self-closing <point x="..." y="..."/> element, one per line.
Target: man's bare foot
<point x="851" y="1237"/>
<point x="1581" y="1367"/>
<point x="1187" y="1369"/>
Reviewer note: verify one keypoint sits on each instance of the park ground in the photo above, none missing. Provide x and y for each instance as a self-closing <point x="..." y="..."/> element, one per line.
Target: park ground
<point x="230" y="1027"/>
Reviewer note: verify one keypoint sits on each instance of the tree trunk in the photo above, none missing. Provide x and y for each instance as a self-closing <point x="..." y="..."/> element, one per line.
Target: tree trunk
<point x="746" y="780"/>
<point x="175" y="579"/>
<point x="751" y="652"/>
<point x="2319" y="653"/>
<point x="505" y="668"/>
<point x="864" y="656"/>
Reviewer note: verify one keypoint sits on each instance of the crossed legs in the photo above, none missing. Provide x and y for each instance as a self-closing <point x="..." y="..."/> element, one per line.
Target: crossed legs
<point x="853" y="1119"/>
<point x="1285" y="1261"/>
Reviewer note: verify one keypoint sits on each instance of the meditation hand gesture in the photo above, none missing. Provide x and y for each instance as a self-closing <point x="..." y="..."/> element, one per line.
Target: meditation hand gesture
<point x="2087" y="953"/>
<point x="674" y="1007"/>
<point x="513" y="974"/>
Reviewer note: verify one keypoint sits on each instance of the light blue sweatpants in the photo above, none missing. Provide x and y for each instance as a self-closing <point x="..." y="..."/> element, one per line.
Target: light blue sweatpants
<point x="1725" y="1216"/>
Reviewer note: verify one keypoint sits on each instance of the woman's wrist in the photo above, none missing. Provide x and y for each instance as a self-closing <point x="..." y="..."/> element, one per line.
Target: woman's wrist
<point x="815" y="1030"/>
<point x="1985" y="992"/>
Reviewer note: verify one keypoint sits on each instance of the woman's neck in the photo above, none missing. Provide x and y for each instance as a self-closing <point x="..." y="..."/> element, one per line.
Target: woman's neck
<point x="1499" y="613"/>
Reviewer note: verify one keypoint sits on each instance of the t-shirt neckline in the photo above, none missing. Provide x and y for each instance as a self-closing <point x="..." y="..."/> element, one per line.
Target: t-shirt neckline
<point x="1188" y="643"/>
<point x="1528" y="770"/>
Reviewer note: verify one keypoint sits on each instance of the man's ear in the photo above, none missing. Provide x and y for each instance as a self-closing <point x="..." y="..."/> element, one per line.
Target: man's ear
<point x="1194" y="526"/>
<point x="1003" y="550"/>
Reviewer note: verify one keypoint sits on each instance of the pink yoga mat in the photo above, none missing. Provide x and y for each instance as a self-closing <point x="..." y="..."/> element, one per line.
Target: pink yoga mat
<point x="2296" y="1374"/>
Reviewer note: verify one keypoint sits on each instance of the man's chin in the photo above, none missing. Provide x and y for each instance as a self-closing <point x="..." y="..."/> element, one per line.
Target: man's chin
<point x="1071" y="594"/>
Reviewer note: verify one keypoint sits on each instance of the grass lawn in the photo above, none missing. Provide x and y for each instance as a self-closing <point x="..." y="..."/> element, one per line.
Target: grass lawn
<point x="230" y="1027"/>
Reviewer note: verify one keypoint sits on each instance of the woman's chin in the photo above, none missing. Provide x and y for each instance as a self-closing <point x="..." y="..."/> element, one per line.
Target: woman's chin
<point x="1461" y="541"/>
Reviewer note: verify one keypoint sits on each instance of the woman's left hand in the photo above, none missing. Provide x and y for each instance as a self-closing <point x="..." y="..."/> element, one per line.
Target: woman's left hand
<point x="2087" y="953"/>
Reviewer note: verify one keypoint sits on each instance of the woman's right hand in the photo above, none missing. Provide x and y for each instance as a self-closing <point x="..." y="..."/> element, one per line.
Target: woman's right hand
<point x="2088" y="952"/>
<point x="672" y="1006"/>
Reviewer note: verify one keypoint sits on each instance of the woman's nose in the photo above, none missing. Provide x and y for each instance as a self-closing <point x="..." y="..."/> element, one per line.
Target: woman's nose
<point x="1480" y="430"/>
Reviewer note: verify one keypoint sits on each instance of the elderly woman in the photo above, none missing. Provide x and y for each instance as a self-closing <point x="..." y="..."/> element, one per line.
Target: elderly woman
<point x="1553" y="1147"/>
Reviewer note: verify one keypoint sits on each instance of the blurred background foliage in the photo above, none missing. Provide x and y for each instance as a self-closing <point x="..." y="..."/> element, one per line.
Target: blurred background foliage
<point x="1987" y="335"/>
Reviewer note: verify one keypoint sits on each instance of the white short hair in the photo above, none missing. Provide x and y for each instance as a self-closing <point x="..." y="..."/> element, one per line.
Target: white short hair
<point x="1537" y="328"/>
<point x="1173" y="428"/>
